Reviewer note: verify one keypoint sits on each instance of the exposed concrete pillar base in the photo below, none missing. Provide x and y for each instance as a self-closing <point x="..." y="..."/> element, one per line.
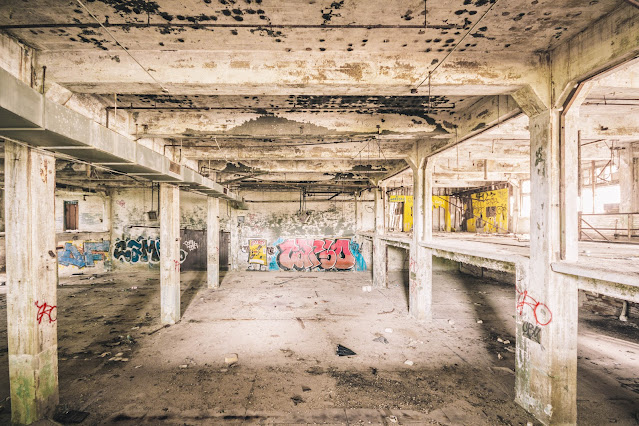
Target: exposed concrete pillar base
<point x="169" y="253"/>
<point x="421" y="283"/>
<point x="213" y="243"/>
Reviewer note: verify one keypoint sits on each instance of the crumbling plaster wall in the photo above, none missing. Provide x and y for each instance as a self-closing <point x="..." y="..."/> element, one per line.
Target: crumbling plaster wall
<point x="274" y="218"/>
<point x="136" y="236"/>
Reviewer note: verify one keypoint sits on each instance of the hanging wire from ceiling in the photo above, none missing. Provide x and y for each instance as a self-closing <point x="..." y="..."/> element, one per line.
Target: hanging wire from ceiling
<point x="431" y="72"/>
<point x="164" y="89"/>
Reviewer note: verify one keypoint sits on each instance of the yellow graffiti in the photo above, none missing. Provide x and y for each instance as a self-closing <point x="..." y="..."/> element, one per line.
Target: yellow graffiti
<point x="443" y="202"/>
<point x="257" y="252"/>
<point x="490" y="211"/>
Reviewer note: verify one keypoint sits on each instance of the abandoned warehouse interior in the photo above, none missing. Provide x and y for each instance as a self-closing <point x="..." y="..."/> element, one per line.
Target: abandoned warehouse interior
<point x="319" y="212"/>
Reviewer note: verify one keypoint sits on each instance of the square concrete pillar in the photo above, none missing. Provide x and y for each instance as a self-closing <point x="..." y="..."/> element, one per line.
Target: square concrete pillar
<point x="213" y="243"/>
<point x="380" y="251"/>
<point x="31" y="282"/>
<point x="169" y="253"/>
<point x="546" y="302"/>
<point x="421" y="258"/>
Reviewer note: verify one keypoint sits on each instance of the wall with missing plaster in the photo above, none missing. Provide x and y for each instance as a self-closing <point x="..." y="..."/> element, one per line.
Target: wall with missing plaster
<point x="136" y="229"/>
<point x="277" y="232"/>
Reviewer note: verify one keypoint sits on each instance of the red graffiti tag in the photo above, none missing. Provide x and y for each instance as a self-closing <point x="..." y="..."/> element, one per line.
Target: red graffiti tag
<point x="43" y="310"/>
<point x="301" y="254"/>
<point x="542" y="314"/>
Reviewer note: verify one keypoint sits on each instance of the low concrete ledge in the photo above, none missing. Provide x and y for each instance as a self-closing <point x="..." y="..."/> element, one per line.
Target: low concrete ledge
<point x="622" y="285"/>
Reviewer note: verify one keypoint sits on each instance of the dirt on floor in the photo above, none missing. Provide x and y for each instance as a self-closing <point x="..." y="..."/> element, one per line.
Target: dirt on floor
<point x="119" y="364"/>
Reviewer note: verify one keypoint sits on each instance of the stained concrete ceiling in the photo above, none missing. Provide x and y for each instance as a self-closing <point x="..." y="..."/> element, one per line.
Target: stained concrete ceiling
<point x="323" y="95"/>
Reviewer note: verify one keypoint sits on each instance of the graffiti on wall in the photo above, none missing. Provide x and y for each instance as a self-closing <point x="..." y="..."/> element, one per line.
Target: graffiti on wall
<point x="257" y="253"/>
<point x="489" y="211"/>
<point x="302" y="254"/>
<point x="83" y="254"/>
<point x="140" y="250"/>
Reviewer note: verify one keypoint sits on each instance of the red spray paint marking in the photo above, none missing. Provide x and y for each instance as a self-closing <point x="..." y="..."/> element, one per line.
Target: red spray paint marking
<point x="541" y="312"/>
<point x="43" y="310"/>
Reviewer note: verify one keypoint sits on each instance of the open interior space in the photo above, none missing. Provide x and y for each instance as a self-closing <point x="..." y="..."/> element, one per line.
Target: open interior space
<point x="319" y="212"/>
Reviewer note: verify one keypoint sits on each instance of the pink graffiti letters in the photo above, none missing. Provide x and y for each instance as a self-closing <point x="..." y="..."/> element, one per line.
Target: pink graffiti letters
<point x="302" y="254"/>
<point x="541" y="312"/>
<point x="45" y="309"/>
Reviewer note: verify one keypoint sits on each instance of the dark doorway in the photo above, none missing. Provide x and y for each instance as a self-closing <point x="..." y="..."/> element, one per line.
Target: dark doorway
<point x="70" y="215"/>
<point x="194" y="246"/>
<point x="225" y="246"/>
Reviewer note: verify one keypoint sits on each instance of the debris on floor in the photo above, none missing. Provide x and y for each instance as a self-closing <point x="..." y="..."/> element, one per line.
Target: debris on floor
<point x="297" y="399"/>
<point x="381" y="339"/>
<point x="230" y="359"/>
<point x="70" y="416"/>
<point x="409" y="362"/>
<point x="344" y="351"/>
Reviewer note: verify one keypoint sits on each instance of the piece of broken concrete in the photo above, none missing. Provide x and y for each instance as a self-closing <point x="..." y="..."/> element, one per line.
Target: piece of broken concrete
<point x="230" y="359"/>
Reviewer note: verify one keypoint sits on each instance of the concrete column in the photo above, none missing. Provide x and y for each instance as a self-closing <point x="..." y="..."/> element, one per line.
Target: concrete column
<point x="213" y="243"/>
<point x="546" y="306"/>
<point x="31" y="282"/>
<point x="513" y="223"/>
<point x="236" y="246"/>
<point x="629" y="185"/>
<point x="380" y="252"/>
<point x="169" y="253"/>
<point x="421" y="259"/>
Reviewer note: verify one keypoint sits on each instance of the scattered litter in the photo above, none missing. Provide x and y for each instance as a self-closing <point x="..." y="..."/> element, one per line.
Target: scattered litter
<point x="135" y="287"/>
<point x="105" y="354"/>
<point x="367" y="288"/>
<point x="297" y="399"/>
<point x="70" y="416"/>
<point x="499" y="356"/>
<point x="386" y="312"/>
<point x="451" y="322"/>
<point x="392" y="419"/>
<point x="381" y="339"/>
<point x="301" y="322"/>
<point x="480" y="322"/>
<point x="510" y="349"/>
<point x="137" y="366"/>
<point x="344" y="351"/>
<point x="230" y="359"/>
<point x="183" y="366"/>
<point x="306" y="389"/>
<point x="506" y="342"/>
<point x="500" y="340"/>
<point x="409" y="362"/>
<point x="135" y="328"/>
<point x="388" y="330"/>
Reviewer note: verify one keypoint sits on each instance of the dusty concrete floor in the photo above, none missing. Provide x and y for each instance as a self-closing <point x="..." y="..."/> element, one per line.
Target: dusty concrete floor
<point x="285" y="328"/>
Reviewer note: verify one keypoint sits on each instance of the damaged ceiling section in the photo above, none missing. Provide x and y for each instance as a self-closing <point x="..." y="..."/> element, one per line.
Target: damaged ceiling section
<point x="324" y="97"/>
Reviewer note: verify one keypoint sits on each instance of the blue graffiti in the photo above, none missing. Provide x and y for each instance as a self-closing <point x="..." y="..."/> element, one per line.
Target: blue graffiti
<point x="72" y="256"/>
<point x="144" y="250"/>
<point x="360" y="263"/>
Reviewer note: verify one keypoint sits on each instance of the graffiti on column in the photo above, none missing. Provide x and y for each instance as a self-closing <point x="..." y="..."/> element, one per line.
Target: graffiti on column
<point x="301" y="254"/>
<point x="140" y="250"/>
<point x="45" y="309"/>
<point x="541" y="312"/>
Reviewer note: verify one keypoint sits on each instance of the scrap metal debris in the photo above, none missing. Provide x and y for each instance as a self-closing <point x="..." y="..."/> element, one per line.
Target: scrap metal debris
<point x="344" y="351"/>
